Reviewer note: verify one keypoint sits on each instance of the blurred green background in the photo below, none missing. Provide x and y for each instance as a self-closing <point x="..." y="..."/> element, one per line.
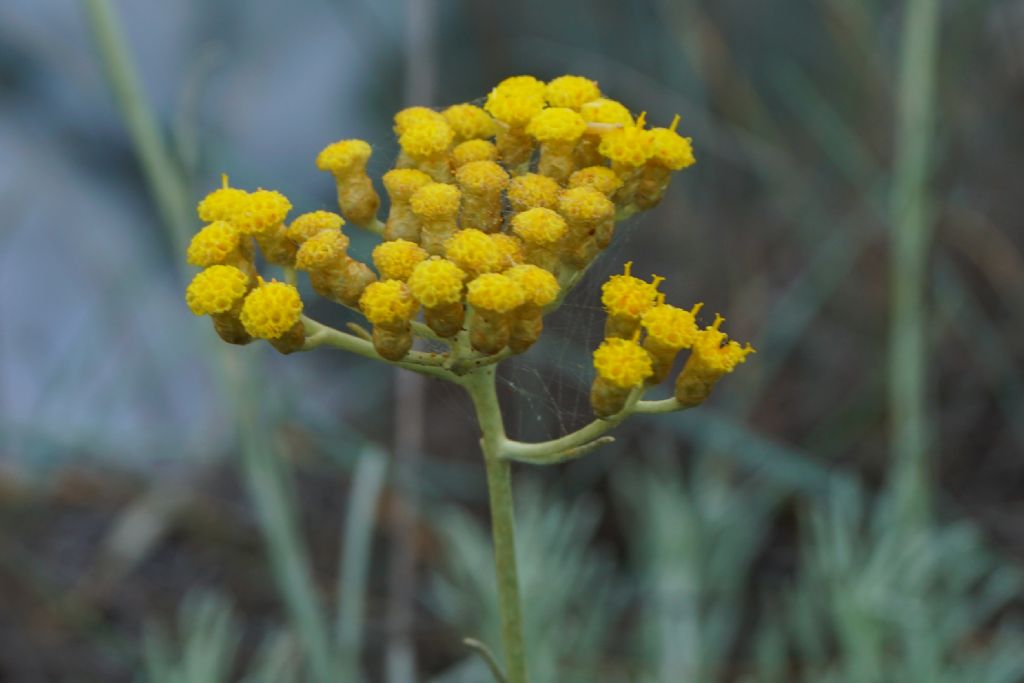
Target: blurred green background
<point x="144" y="469"/>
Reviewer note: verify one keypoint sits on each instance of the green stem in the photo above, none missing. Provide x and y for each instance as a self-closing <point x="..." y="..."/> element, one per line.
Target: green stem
<point x="481" y="387"/>
<point x="911" y="234"/>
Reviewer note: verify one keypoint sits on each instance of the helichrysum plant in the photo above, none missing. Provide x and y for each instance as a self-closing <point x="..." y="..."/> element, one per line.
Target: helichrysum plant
<point x="495" y="214"/>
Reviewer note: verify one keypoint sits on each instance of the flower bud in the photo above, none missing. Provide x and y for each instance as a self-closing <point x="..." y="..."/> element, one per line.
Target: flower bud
<point x="346" y="161"/>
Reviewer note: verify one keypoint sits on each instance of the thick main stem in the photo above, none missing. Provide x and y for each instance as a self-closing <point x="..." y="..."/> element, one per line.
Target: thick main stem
<point x="481" y="387"/>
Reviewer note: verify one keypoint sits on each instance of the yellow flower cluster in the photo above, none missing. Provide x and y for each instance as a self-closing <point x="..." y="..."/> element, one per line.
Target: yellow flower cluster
<point x="494" y="210"/>
<point x="624" y="363"/>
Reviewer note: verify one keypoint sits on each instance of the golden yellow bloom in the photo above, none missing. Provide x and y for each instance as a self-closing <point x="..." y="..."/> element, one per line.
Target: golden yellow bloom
<point x="629" y="146"/>
<point x="591" y="219"/>
<point x="557" y="129"/>
<point x="308" y="224"/>
<point x="226" y="203"/>
<point x="495" y="292"/>
<point x="473" y="251"/>
<point x="470" y="122"/>
<point x="437" y="282"/>
<point x="436" y="201"/>
<point x="510" y="247"/>
<point x="264" y="211"/>
<point x="712" y="357"/>
<point x="493" y="297"/>
<point x="669" y="330"/>
<point x="622" y="365"/>
<point x="216" y="243"/>
<point x="346" y="161"/>
<point x="216" y="290"/>
<point x="571" y="91"/>
<point x="324" y="249"/>
<point x="601" y="178"/>
<point x="670" y="152"/>
<point x="540" y="287"/>
<point x="481" y="183"/>
<point x="515" y="100"/>
<point x="344" y="156"/>
<point x="427" y="139"/>
<point x="626" y="298"/>
<point x="389" y="305"/>
<point x="388" y="302"/>
<point x="436" y="205"/>
<point x="401" y="184"/>
<point x="604" y="110"/>
<point x="473" y="150"/>
<point x="219" y="292"/>
<point x="539" y="226"/>
<point x="556" y="124"/>
<point x="412" y="116"/>
<point x="395" y="260"/>
<point x="532" y="190"/>
<point x="273" y="311"/>
<point x="670" y="149"/>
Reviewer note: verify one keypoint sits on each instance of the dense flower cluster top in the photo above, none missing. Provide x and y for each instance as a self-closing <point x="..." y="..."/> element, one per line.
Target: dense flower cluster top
<point x="494" y="212"/>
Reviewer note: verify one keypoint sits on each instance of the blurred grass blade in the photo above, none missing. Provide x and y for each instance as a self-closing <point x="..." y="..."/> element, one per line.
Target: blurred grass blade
<point x="162" y="176"/>
<point x="911" y="232"/>
<point x="367" y="482"/>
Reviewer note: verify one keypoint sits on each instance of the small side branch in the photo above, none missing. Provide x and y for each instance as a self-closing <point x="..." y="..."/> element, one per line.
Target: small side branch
<point x="586" y="439"/>
<point x="422" y="362"/>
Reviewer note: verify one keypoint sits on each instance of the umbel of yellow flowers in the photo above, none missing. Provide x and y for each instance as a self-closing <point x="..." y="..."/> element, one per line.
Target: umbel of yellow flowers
<point x="494" y="214"/>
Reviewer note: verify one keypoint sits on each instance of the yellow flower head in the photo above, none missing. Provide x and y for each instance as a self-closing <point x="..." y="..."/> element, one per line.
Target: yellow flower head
<point x="717" y="354"/>
<point x="539" y="226"/>
<point x="436" y="201"/>
<point x="271" y="309"/>
<point x="213" y="244"/>
<point x="622" y="363"/>
<point x="585" y="205"/>
<point x="556" y="124"/>
<point x="474" y="251"/>
<point x="495" y="292"/>
<point x="437" y="282"/>
<point x="413" y="116"/>
<point x="325" y="248"/>
<point x="539" y="286"/>
<point x="427" y="138"/>
<point x="629" y="145"/>
<point x="387" y="302"/>
<point x="604" y="110"/>
<point x="532" y="190"/>
<point x="395" y="260"/>
<point x="671" y="327"/>
<point x="571" y="91"/>
<point x="516" y="100"/>
<point x="264" y="211"/>
<point x="670" y="149"/>
<point x="223" y="204"/>
<point x="628" y="296"/>
<point x="344" y="156"/>
<point x="402" y="183"/>
<point x="216" y="290"/>
<point x="510" y="247"/>
<point x="470" y="122"/>
<point x="482" y="178"/>
<point x="601" y="178"/>
<point x="308" y="224"/>
<point x="473" y="150"/>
